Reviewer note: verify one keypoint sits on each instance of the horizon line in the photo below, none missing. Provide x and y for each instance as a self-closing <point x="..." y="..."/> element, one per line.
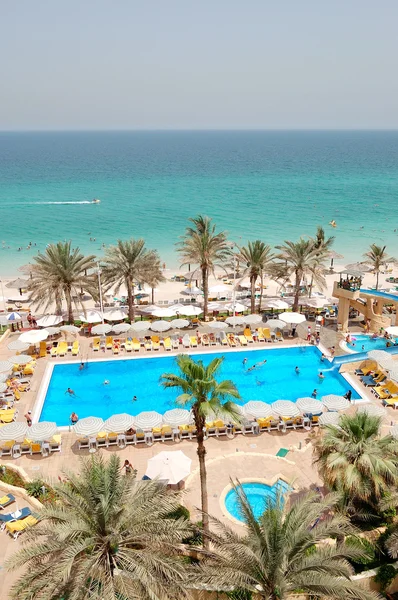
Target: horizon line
<point x="204" y="130"/>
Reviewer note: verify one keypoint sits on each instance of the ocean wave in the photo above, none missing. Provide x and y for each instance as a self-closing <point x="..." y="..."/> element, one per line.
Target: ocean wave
<point x="55" y="202"/>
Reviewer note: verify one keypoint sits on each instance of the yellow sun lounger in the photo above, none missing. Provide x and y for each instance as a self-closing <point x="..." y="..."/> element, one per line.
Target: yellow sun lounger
<point x="167" y="344"/>
<point x="148" y="345"/>
<point x="248" y="335"/>
<point x="15" y="528"/>
<point x="6" y="500"/>
<point x="260" y="335"/>
<point x="54" y="350"/>
<point x="155" y="342"/>
<point x="242" y="340"/>
<point x="136" y="345"/>
<point x="62" y="349"/>
<point x="7" y="416"/>
<point x="194" y="341"/>
<point x="231" y="340"/>
<point x="128" y="345"/>
<point x="75" y="348"/>
<point x="43" y="350"/>
<point x="96" y="344"/>
<point x="109" y="342"/>
<point x="267" y="334"/>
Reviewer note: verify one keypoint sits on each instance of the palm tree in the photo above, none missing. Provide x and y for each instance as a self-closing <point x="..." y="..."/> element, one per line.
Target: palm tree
<point x="282" y="552"/>
<point x="323" y="246"/>
<point x="377" y="258"/>
<point x="154" y="276"/>
<point x="109" y="536"/>
<point x="129" y="263"/>
<point x="256" y="258"/>
<point x="204" y="396"/>
<point x="61" y="272"/>
<point x="300" y="259"/>
<point x="356" y="460"/>
<point x="203" y="246"/>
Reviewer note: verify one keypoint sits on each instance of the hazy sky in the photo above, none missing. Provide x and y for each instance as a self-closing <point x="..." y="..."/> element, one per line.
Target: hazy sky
<point x="123" y="64"/>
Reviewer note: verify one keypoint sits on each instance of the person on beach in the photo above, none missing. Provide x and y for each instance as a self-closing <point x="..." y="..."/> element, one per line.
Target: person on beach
<point x="309" y="333"/>
<point x="128" y="467"/>
<point x="70" y="392"/>
<point x="28" y="418"/>
<point x="29" y="318"/>
<point x="74" y="418"/>
<point x="81" y="367"/>
<point x="332" y="350"/>
<point x="348" y="395"/>
<point x="322" y="358"/>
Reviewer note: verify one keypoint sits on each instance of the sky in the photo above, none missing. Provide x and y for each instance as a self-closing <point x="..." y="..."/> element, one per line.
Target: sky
<point x="198" y="64"/>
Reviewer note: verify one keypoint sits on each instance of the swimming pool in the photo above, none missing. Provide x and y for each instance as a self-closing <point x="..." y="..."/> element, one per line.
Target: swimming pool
<point x="258" y="495"/>
<point x="364" y="343"/>
<point x="140" y="377"/>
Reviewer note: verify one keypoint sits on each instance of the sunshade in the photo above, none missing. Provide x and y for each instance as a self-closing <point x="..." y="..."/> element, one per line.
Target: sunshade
<point x="177" y="416"/>
<point x="292" y="317"/>
<point x="70" y="329"/>
<point x="148" y="419"/>
<point x="4" y="376"/>
<point x="34" y="336"/>
<point x="285" y="408"/>
<point x="5" y="366"/>
<point x="18" y="298"/>
<point x="215" y="306"/>
<point x="388" y="363"/>
<point x="257" y="409"/>
<point x="220" y="288"/>
<point x="180" y="323"/>
<point x="238" y="308"/>
<point x="121" y="328"/>
<point x="163" y="312"/>
<point x="358" y="266"/>
<point x="161" y="325"/>
<point x="334" y="402"/>
<point x="309" y="405"/>
<point x="18" y="346"/>
<point x="275" y="324"/>
<point x="50" y="320"/>
<point x="217" y="325"/>
<point x="52" y="330"/>
<point x="114" y="315"/>
<point x="193" y="275"/>
<point x="14" y="316"/>
<point x="192" y="291"/>
<point x="18" y="283"/>
<point x="3" y="387"/>
<point x="379" y="355"/>
<point x="188" y="311"/>
<point x="253" y="319"/>
<point x="140" y="326"/>
<point x="148" y="309"/>
<point x="314" y="302"/>
<point x="235" y="321"/>
<point x="329" y="418"/>
<point x="393" y="372"/>
<point x="88" y="426"/>
<point x="275" y="303"/>
<point x="169" y="466"/>
<point x="101" y="329"/>
<point x="373" y="409"/>
<point x="119" y="423"/>
<point x="20" y="359"/>
<point x="393" y="330"/>
<point x="92" y="316"/>
<point x="43" y="431"/>
<point x="393" y="431"/>
<point x="13" y="431"/>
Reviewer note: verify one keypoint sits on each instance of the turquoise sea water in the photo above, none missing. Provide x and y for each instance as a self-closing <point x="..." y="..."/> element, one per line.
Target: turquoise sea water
<point x="259" y="496"/>
<point x="275" y="380"/>
<point x="268" y="185"/>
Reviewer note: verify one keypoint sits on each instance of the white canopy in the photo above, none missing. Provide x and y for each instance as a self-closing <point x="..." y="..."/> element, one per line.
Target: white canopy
<point x="50" y="320"/>
<point x="41" y="432"/>
<point x="334" y="402"/>
<point x="220" y="289"/>
<point x="101" y="329"/>
<point x="239" y="308"/>
<point x="253" y="319"/>
<point x="52" y="330"/>
<point x="275" y="303"/>
<point x="161" y="325"/>
<point x="34" y="336"/>
<point x="20" y="359"/>
<point x="148" y="419"/>
<point x="177" y="416"/>
<point x="119" y="423"/>
<point x="18" y="346"/>
<point x="275" y="324"/>
<point x="329" y="418"/>
<point x="92" y="316"/>
<point x="192" y="290"/>
<point x="285" y="408"/>
<point x="217" y="325"/>
<point x="140" y="326"/>
<point x="292" y="317"/>
<point x="180" y="323"/>
<point x="18" y="298"/>
<point x="70" y="329"/>
<point x="163" y="312"/>
<point x="378" y="355"/>
<point x="114" y="315"/>
<point x="215" y="306"/>
<point x="5" y="366"/>
<point x="169" y="466"/>
<point x="374" y="410"/>
<point x="188" y="310"/>
<point x="309" y="405"/>
<point x="88" y="426"/>
<point x="3" y="387"/>
<point x="257" y="409"/>
<point x="121" y="328"/>
<point x="13" y="431"/>
<point x="235" y="320"/>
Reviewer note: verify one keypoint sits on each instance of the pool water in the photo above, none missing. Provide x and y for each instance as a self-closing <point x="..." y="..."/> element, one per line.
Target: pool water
<point x="364" y="343"/>
<point x="259" y="496"/>
<point x="141" y="377"/>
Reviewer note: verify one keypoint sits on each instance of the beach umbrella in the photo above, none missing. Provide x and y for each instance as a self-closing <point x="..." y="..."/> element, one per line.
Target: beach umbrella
<point x="140" y="326"/>
<point x="234" y="321"/>
<point x="4" y="376"/>
<point x="3" y="387"/>
<point x="101" y="329"/>
<point x="378" y="355"/>
<point x="275" y="324"/>
<point x="148" y="419"/>
<point x="180" y="323"/>
<point x="314" y="302"/>
<point x="50" y="321"/>
<point x="392" y="330"/>
<point x="114" y="315"/>
<point x="88" y="426"/>
<point x="393" y="372"/>
<point x="192" y="291"/>
<point x="43" y="431"/>
<point x="333" y="256"/>
<point x="20" y="298"/>
<point x="161" y="326"/>
<point x="275" y="303"/>
<point x="329" y="418"/>
<point x="121" y="328"/>
<point x="393" y="431"/>
<point x="172" y="467"/>
<point x="309" y="405"/>
<point x="177" y="416"/>
<point x="358" y="266"/>
<point x="20" y="359"/>
<point x="13" y="431"/>
<point x="34" y="336"/>
<point x="187" y="311"/>
<point x="163" y="312"/>
<point x="52" y="330"/>
<point x="374" y="410"/>
<point x="148" y="309"/>
<point x="293" y="318"/>
<point x="5" y="366"/>
<point x="285" y="408"/>
<point x="253" y="319"/>
<point x="14" y="316"/>
<point x="238" y="308"/>
<point x="92" y="316"/>
<point x="18" y="346"/>
<point x="220" y="289"/>
<point x="334" y="402"/>
<point x="18" y="284"/>
<point x="215" y="306"/>
<point x="119" y="423"/>
<point x="70" y="329"/>
<point x="257" y="409"/>
<point x="217" y="325"/>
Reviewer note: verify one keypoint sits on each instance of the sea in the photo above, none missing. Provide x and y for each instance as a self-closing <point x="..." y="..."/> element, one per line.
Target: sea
<point x="268" y="185"/>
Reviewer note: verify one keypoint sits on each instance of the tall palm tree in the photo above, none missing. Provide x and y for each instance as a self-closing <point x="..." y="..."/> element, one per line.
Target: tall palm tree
<point x="256" y="258"/>
<point x="154" y="276"/>
<point x="282" y="552"/>
<point x="377" y="258"/>
<point x="323" y="246"/>
<point x="356" y="460"/>
<point x="203" y="246"/>
<point x="61" y="271"/>
<point x="129" y="263"/>
<point x="109" y="536"/>
<point x="301" y="259"/>
<point x="204" y="396"/>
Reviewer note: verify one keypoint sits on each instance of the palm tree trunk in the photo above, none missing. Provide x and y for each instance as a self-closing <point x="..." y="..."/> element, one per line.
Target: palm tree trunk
<point x="201" y="451"/>
<point x="377" y="279"/>
<point x="205" y="279"/>
<point x="311" y="284"/>
<point x="297" y="291"/>
<point x="130" y="300"/>
<point x="68" y="299"/>
<point x="252" y="293"/>
<point x="153" y="295"/>
<point x="261" y="293"/>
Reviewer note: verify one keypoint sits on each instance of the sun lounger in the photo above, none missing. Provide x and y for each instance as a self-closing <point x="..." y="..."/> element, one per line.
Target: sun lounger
<point x="109" y="342"/>
<point x="279" y="336"/>
<point x="194" y="341"/>
<point x="116" y="346"/>
<point x="205" y="340"/>
<point x="136" y="345"/>
<point x="54" y="349"/>
<point x="223" y="338"/>
<point x="43" y="350"/>
<point x="128" y="345"/>
<point x="148" y="344"/>
<point x="155" y="342"/>
<point x="75" y="348"/>
<point x="96" y="344"/>
<point x="15" y="516"/>
<point x="260" y="335"/>
<point x="267" y="334"/>
<point x="167" y="344"/>
<point x="15" y="528"/>
<point x="393" y="401"/>
<point x="8" y="416"/>
<point x="242" y="340"/>
<point x="175" y="343"/>
<point x="231" y="340"/>
<point x="248" y="335"/>
<point x="212" y="338"/>
<point x="62" y="349"/>
<point x="370" y="381"/>
<point x="186" y="341"/>
<point x="6" y="500"/>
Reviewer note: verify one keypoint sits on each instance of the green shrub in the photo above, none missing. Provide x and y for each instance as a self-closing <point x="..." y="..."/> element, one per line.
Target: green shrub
<point x="11" y="477"/>
<point x="366" y="547"/>
<point x="180" y="513"/>
<point x="385" y="576"/>
<point x="239" y="594"/>
<point x="35" y="488"/>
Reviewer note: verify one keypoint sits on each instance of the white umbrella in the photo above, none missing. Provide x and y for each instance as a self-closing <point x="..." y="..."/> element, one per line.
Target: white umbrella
<point x="92" y="316"/>
<point x="52" y="330"/>
<point x="34" y="336"/>
<point x="20" y="359"/>
<point x="148" y="419"/>
<point x="329" y="418"/>
<point x="220" y="289"/>
<point x="70" y="329"/>
<point x="177" y="416"/>
<point x="309" y="405"/>
<point x="393" y="431"/>
<point x="140" y="326"/>
<point x="18" y="298"/>
<point x="121" y="328"/>
<point x="388" y="363"/>
<point x="148" y="309"/>
<point x="18" y="284"/>
<point x="314" y="302"/>
<point x="217" y="325"/>
<point x="163" y="312"/>
<point x="18" y="346"/>
<point x="378" y="355"/>
<point x="393" y="372"/>
<point x="393" y="330"/>
<point x="235" y="321"/>
<point x="180" y="323"/>
<point x="334" y="402"/>
<point x="101" y="329"/>
<point x="275" y="324"/>
<point x="5" y="366"/>
<point x="50" y="321"/>
<point x="161" y="325"/>
<point x="372" y="409"/>
<point x="88" y="426"/>
<point x="239" y="308"/>
<point x="41" y="432"/>
<point x="215" y="306"/>
<point x="257" y="409"/>
<point x="275" y="303"/>
<point x="13" y="431"/>
<point x="114" y="315"/>
<point x="4" y="377"/>
<point x="169" y="466"/>
<point x="192" y="291"/>
<point x="119" y="423"/>
<point x="292" y="317"/>
<point x="3" y="387"/>
<point x="14" y="316"/>
<point x="188" y="311"/>
<point x="285" y="408"/>
<point x="253" y="319"/>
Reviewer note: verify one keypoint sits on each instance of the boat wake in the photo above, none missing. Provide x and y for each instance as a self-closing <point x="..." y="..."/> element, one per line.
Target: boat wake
<point x="66" y="202"/>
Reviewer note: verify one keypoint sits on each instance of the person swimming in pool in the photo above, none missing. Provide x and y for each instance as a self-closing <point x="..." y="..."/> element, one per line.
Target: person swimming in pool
<point x="259" y="382"/>
<point x="244" y="361"/>
<point x="297" y="370"/>
<point x="70" y="392"/>
<point x="260" y="364"/>
<point x="321" y="376"/>
<point x="314" y="393"/>
<point x="106" y="382"/>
